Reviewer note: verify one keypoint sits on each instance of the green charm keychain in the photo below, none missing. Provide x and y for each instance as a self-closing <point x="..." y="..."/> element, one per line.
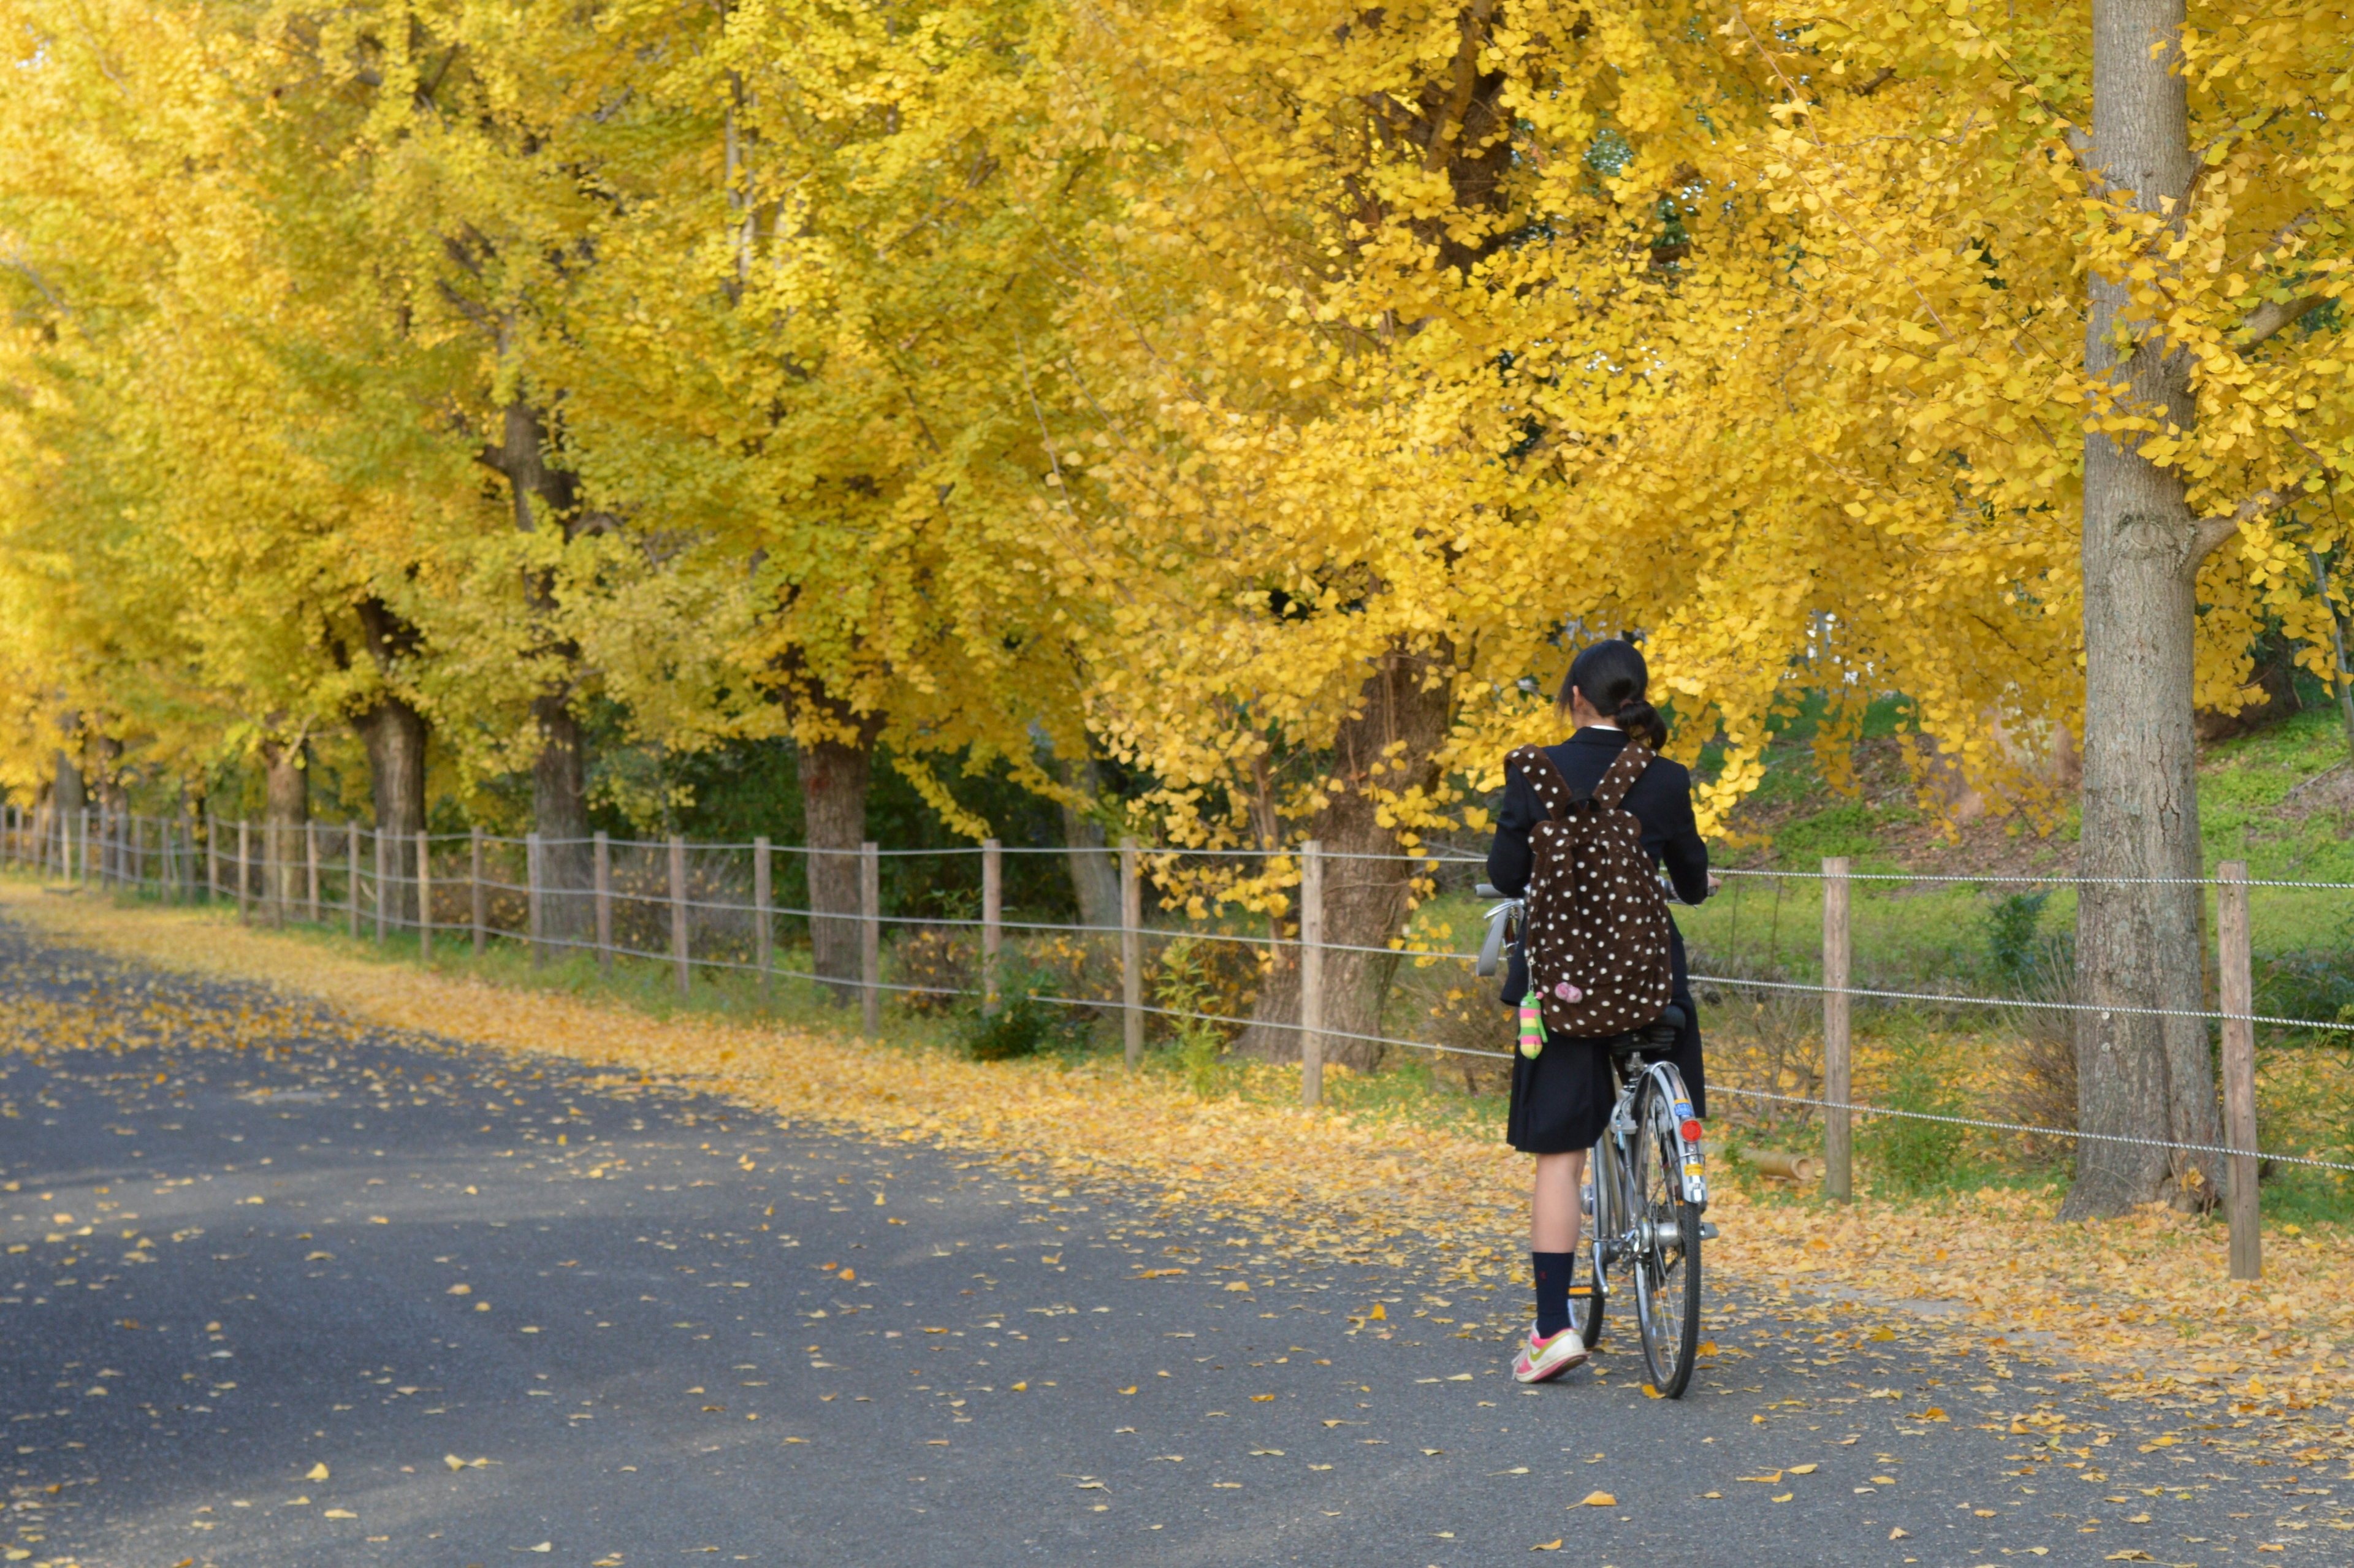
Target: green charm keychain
<point x="1532" y="1029"/>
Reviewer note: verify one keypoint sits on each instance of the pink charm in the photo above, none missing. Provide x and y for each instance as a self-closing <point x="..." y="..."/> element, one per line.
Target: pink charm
<point x="1566" y="992"/>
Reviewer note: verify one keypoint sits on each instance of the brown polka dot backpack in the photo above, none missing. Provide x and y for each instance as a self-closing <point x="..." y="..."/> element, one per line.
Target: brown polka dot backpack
<point x="1596" y="926"/>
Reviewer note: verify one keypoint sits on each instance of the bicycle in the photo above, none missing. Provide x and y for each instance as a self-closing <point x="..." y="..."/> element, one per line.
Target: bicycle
<point x="1646" y="1191"/>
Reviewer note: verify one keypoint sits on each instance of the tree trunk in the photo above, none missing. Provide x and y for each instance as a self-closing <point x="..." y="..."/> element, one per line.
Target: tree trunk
<point x="833" y="805"/>
<point x="1095" y="875"/>
<point x="394" y="734"/>
<point x="286" y="773"/>
<point x="2138" y="945"/>
<point x="540" y="490"/>
<point x="1409" y="699"/>
<point x="559" y="799"/>
<point x="71" y="798"/>
<point x="67" y="800"/>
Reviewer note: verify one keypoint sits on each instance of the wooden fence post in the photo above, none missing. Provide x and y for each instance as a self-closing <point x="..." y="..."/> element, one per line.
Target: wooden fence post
<point x="352" y="876"/>
<point x="477" y="895"/>
<point x="678" y="915"/>
<point x="244" y="867"/>
<point x="1311" y="972"/>
<point x="212" y="859"/>
<point x="84" y="880"/>
<point x="1839" y="1132"/>
<point x="377" y="839"/>
<point x="1131" y="955"/>
<point x="604" y="903"/>
<point x="870" y="937"/>
<point x="310" y="867"/>
<point x="531" y="898"/>
<point x="992" y="920"/>
<point x="2233" y="943"/>
<point x="424" y="896"/>
<point x="764" y="919"/>
<point x="273" y="872"/>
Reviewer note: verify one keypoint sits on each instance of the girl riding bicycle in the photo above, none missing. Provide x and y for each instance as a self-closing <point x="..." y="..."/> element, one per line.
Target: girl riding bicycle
<point x="1562" y="1097"/>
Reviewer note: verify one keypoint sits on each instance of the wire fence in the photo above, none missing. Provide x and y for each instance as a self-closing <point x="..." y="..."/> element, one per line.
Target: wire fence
<point x="816" y="915"/>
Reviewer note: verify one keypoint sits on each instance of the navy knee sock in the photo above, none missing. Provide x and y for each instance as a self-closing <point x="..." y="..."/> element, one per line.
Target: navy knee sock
<point x="1552" y="1270"/>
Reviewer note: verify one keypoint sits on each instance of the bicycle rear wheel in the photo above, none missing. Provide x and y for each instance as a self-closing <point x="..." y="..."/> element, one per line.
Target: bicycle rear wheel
<point x="1667" y="1255"/>
<point x="1602" y="1179"/>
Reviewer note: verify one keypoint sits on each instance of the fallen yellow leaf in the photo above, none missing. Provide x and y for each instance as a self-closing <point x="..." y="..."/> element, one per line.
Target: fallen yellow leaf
<point x="1768" y="1481"/>
<point x="340" y="1513"/>
<point x="1377" y="1315"/>
<point x="315" y="1473"/>
<point x="1802" y="1469"/>
<point x="1546" y="1546"/>
<point x="1596" y="1500"/>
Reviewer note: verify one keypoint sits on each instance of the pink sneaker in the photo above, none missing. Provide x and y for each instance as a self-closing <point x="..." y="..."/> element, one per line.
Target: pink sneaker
<point x="1542" y="1361"/>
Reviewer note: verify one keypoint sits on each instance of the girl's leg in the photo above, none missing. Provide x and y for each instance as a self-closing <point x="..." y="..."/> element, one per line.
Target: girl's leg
<point x="1554" y="1214"/>
<point x="1554" y="1211"/>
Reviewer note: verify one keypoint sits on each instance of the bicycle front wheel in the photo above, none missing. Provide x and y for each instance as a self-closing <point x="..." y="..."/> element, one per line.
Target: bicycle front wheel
<point x="1667" y="1252"/>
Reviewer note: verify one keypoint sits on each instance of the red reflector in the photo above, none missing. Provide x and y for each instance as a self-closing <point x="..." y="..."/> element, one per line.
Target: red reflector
<point x="1689" y="1132"/>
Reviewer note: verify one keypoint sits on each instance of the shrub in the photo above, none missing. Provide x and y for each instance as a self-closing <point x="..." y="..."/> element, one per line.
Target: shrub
<point x="1910" y="1155"/>
<point x="945" y="958"/>
<point x="1023" y="1025"/>
<point x="1188" y="984"/>
<point x="2011" y="933"/>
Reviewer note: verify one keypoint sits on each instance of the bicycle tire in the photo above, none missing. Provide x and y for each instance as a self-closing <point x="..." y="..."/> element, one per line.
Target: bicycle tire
<point x="1666" y="1279"/>
<point x="1586" y="1311"/>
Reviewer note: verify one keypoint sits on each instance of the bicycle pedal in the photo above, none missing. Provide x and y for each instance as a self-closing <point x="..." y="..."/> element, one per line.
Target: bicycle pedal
<point x="1708" y="1230"/>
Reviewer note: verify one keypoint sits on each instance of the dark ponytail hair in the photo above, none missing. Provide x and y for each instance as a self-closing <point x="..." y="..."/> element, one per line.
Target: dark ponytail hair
<point x="1613" y="676"/>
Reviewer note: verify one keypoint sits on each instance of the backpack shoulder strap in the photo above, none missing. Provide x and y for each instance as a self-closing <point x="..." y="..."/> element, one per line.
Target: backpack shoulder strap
<point x="1625" y="768"/>
<point x="1553" y="789"/>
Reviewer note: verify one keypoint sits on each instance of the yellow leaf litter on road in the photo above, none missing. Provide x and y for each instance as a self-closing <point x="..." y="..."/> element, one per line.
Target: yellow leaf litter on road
<point x="1345" y="1184"/>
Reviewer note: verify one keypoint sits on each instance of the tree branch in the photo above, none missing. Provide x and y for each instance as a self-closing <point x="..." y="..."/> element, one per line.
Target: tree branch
<point x="2276" y="316"/>
<point x="2209" y="533"/>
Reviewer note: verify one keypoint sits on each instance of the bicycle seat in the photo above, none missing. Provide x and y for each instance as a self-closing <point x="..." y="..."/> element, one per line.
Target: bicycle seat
<point x="1659" y="1034"/>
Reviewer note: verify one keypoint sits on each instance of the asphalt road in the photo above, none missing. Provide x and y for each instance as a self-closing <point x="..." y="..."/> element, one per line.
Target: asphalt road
<point x="279" y="1290"/>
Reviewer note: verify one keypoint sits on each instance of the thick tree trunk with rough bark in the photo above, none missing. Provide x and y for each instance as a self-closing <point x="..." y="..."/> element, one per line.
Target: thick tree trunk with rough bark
<point x="1095" y="872"/>
<point x="287" y="778"/>
<point x="395" y="735"/>
<point x="559" y="809"/>
<point x="69" y="799"/>
<point x="1409" y="698"/>
<point x="2138" y="946"/>
<point x="834" y="809"/>
<point x="541" y="492"/>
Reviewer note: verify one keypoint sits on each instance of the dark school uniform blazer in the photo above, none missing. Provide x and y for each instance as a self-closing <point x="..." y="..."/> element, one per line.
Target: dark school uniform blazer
<point x="1660" y="801"/>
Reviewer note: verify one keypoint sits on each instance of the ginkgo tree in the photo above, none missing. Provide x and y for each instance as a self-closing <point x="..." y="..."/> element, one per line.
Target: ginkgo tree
<point x="1425" y="345"/>
<point x="2083" y="272"/>
<point x="794" y="374"/>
